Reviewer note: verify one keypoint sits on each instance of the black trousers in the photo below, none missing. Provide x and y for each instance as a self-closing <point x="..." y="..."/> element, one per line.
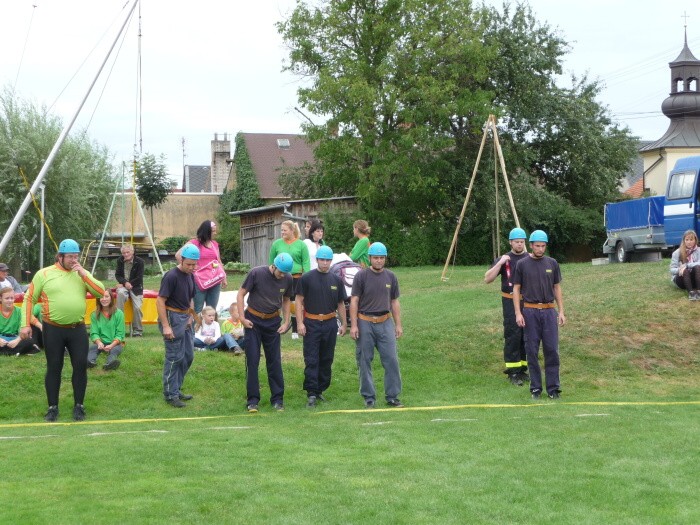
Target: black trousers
<point x="264" y="333"/>
<point x="690" y="280"/>
<point x="514" y="353"/>
<point x="56" y="341"/>
<point x="319" y="351"/>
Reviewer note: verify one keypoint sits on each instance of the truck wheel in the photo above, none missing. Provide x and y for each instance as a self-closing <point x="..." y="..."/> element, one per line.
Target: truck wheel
<point x="621" y="253"/>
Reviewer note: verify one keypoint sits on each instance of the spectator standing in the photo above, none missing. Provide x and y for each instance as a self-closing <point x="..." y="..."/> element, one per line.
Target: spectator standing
<point x="359" y="253"/>
<point x="536" y="289"/>
<point x="269" y="289"/>
<point x="106" y="332"/>
<point x="314" y="241"/>
<point x="129" y="275"/>
<point x="175" y="305"/>
<point x="208" y="252"/>
<point x="375" y="318"/>
<point x="320" y="296"/>
<point x="62" y="288"/>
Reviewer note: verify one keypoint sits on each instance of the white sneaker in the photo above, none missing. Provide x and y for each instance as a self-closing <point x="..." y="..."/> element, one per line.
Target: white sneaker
<point x="295" y="335"/>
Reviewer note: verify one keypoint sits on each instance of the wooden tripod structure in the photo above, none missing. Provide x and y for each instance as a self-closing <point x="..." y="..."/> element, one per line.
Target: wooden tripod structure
<point x="490" y="125"/>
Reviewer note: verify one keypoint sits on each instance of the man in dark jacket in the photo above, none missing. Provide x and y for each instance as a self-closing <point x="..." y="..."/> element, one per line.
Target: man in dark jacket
<point x="129" y="275"/>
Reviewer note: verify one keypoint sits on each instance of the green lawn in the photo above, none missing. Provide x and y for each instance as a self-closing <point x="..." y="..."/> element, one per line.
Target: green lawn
<point x="621" y="446"/>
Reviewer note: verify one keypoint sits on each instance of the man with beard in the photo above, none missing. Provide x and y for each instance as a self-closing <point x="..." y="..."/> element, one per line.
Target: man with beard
<point x="536" y="289"/>
<point x="514" y="344"/>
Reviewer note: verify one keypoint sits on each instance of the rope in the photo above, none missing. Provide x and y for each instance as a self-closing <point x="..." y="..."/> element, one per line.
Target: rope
<point x="38" y="208"/>
<point x="24" y="49"/>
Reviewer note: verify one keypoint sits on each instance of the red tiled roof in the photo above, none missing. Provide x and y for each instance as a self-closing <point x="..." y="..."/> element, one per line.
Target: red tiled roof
<point x="267" y="158"/>
<point x="636" y="189"/>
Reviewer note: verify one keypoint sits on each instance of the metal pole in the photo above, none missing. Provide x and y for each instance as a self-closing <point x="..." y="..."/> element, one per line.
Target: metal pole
<point x="41" y="233"/>
<point x="62" y="137"/>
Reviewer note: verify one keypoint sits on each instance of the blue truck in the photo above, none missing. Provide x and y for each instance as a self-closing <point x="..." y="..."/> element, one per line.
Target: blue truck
<point x="655" y="224"/>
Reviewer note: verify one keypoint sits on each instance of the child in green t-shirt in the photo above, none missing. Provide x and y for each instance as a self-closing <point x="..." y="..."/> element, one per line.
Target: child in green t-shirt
<point x="233" y="331"/>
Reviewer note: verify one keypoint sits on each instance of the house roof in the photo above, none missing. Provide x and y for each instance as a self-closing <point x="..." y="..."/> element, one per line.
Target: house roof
<point x="199" y="179"/>
<point x="270" y="152"/>
<point x="682" y="133"/>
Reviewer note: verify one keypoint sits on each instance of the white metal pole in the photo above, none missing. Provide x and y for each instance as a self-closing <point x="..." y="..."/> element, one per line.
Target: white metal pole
<point x="41" y="233"/>
<point x="62" y="137"/>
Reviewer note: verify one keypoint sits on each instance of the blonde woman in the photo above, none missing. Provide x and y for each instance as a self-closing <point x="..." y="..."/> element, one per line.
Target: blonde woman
<point x="291" y="243"/>
<point x="359" y="253"/>
<point x="685" y="265"/>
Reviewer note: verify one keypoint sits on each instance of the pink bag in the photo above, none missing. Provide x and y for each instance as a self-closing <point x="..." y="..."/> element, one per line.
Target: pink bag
<point x="210" y="274"/>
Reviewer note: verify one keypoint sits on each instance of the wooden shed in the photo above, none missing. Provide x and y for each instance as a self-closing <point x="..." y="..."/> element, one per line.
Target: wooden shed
<point x="261" y="226"/>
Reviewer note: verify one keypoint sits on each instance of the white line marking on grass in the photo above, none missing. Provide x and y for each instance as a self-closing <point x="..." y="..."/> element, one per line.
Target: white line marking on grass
<point x="128" y="432"/>
<point x="29" y="437"/>
<point x="439" y="420"/>
<point x="377" y="423"/>
<point x="591" y="415"/>
<point x="114" y="421"/>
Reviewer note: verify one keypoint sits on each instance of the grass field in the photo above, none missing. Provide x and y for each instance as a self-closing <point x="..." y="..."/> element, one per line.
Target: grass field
<point x="620" y="446"/>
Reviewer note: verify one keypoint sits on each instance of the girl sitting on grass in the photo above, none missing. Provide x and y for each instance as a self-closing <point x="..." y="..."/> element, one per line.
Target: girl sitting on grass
<point x="208" y="332"/>
<point x="106" y="332"/>
<point x="10" y="320"/>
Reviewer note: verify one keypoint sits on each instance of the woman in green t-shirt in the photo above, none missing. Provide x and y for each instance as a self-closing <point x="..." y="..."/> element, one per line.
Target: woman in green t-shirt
<point x="359" y="253"/>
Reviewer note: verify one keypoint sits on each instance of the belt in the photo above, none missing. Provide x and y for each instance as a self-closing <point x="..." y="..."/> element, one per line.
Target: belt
<point x="179" y="310"/>
<point x="296" y="275"/>
<point x="72" y="325"/>
<point x="507" y="295"/>
<point x="374" y="318"/>
<point x="320" y="317"/>
<point x="540" y="306"/>
<point x="261" y="315"/>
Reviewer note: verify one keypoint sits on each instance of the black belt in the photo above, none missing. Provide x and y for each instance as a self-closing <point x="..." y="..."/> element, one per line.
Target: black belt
<point x="375" y="314"/>
<point x="72" y="325"/>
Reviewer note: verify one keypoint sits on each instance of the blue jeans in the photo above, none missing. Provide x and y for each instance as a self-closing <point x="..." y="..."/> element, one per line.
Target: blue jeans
<point x="383" y="337"/>
<point x="219" y="343"/>
<point x="209" y="297"/>
<point x="232" y="342"/>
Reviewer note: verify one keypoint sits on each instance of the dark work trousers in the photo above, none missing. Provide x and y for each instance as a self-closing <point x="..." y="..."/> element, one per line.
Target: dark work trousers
<point x="690" y="280"/>
<point x="514" y="354"/>
<point x="296" y="286"/>
<point x="319" y="350"/>
<point x="37" y="337"/>
<point x="541" y="325"/>
<point x="264" y="333"/>
<point x="56" y="340"/>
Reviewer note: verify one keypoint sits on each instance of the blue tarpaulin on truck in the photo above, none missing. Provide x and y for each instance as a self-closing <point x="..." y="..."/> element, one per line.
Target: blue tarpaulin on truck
<point x="636" y="213"/>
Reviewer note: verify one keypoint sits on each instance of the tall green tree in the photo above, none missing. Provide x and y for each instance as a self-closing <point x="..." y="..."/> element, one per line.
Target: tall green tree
<point x="78" y="185"/>
<point x="152" y="183"/>
<point x="407" y="86"/>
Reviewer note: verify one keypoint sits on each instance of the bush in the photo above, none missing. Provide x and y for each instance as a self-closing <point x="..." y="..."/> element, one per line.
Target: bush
<point x="173" y="244"/>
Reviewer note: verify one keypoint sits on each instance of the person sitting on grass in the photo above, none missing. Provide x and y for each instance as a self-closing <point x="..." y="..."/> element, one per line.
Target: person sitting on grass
<point x="10" y="320"/>
<point x="207" y="335"/>
<point x="234" y="330"/>
<point x="106" y="332"/>
<point x="685" y="265"/>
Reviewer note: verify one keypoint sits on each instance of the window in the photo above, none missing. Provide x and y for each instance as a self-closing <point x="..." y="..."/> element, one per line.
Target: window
<point x="681" y="185"/>
<point x="283" y="143"/>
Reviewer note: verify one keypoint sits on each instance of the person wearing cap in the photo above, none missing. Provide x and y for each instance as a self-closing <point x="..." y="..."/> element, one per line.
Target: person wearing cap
<point x="536" y="293"/>
<point x="7" y="281"/>
<point x="375" y="322"/>
<point x="321" y="294"/>
<point x="129" y="275"/>
<point x="514" y="341"/>
<point x="62" y="289"/>
<point x="269" y="289"/>
<point x="175" y="306"/>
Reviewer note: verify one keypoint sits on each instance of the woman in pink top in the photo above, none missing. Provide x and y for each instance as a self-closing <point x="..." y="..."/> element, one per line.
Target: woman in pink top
<point x="208" y="251"/>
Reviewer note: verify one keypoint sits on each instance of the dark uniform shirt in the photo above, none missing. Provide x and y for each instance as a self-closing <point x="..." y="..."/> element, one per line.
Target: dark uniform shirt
<point x="322" y="292"/>
<point x="508" y="270"/>
<point x="375" y="290"/>
<point x="178" y="289"/>
<point x="537" y="278"/>
<point x="265" y="291"/>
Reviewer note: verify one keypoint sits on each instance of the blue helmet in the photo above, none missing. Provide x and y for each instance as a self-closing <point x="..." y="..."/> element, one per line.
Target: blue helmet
<point x="538" y="236"/>
<point x="190" y="251"/>
<point x="517" y="233"/>
<point x="324" y="252"/>
<point x="377" y="249"/>
<point x="283" y="262"/>
<point x="68" y="246"/>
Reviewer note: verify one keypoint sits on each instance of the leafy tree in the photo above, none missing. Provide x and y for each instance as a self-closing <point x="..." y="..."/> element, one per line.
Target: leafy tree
<point x="407" y="86"/>
<point x="78" y="184"/>
<point x="246" y="194"/>
<point x="152" y="182"/>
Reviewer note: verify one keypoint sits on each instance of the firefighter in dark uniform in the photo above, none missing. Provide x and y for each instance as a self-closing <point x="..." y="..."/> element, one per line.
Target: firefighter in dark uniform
<point x="514" y="344"/>
<point x="536" y="293"/>
<point x="320" y="294"/>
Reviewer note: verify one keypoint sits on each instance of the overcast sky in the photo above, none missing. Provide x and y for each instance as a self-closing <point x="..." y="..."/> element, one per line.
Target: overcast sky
<point x="214" y="66"/>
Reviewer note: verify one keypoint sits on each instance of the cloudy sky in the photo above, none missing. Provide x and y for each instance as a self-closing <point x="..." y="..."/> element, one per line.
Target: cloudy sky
<point x="214" y="66"/>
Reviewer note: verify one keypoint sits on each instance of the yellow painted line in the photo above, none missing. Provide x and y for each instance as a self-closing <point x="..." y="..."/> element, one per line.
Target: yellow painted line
<point x="529" y="405"/>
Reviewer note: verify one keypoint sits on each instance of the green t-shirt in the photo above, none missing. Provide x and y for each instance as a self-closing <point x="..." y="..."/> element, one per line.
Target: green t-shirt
<point x="9" y="326"/>
<point x="297" y="249"/>
<point x="359" y="253"/>
<point x="107" y="330"/>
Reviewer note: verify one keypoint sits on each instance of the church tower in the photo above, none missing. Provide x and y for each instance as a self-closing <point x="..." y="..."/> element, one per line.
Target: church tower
<point x="682" y="107"/>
